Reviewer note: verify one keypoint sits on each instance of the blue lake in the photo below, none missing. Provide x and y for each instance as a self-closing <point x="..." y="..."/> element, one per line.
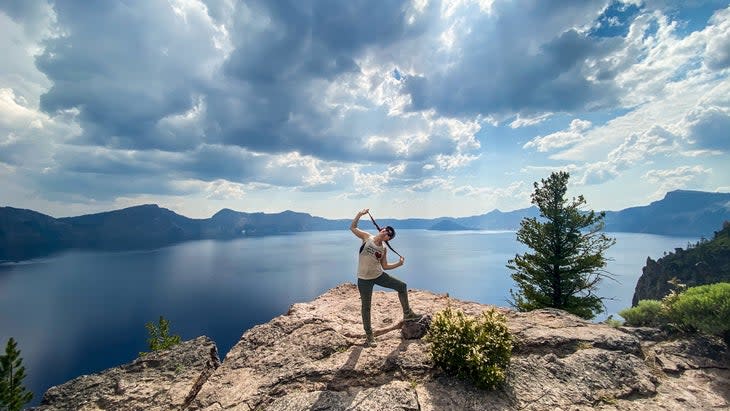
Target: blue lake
<point x="81" y="312"/>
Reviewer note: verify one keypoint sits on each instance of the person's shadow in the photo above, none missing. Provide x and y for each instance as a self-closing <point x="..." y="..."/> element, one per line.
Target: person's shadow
<point x="333" y="396"/>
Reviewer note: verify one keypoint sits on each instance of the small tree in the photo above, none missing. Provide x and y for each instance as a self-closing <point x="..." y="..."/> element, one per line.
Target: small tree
<point x="160" y="338"/>
<point x="13" y="395"/>
<point x="567" y="261"/>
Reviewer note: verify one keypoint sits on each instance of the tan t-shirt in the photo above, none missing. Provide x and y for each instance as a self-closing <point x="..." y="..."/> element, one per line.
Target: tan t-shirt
<point x="368" y="267"/>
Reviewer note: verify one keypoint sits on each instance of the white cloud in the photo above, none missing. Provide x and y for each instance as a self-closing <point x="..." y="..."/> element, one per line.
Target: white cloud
<point x="664" y="84"/>
<point x="516" y="190"/>
<point x="560" y="139"/>
<point x="228" y="99"/>
<point x="526" y="121"/>
<point x="717" y="51"/>
<point x="431" y="184"/>
<point x="671" y="179"/>
<point x="636" y="149"/>
<point x="225" y="190"/>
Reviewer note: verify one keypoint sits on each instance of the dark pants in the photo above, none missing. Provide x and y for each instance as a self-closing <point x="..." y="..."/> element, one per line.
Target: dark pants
<point x="366" y="295"/>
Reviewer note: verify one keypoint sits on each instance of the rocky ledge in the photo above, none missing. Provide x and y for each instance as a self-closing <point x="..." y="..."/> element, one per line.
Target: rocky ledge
<point x="312" y="358"/>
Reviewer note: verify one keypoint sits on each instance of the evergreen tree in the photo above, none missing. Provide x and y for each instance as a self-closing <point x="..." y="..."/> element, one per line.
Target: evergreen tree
<point x="567" y="259"/>
<point x="13" y="396"/>
<point x="160" y="338"/>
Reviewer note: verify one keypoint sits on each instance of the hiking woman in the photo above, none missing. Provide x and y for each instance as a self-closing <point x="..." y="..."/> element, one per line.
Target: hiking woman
<point x="372" y="261"/>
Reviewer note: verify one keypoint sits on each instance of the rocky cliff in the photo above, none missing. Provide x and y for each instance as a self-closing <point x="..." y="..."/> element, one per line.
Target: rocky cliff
<point x="312" y="358"/>
<point x="706" y="262"/>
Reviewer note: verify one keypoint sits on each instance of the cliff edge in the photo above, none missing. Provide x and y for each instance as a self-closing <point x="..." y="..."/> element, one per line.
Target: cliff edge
<point x="312" y="358"/>
<point x="706" y="262"/>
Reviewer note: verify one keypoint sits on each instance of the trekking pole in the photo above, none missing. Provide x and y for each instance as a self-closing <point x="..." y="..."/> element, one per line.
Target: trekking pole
<point x="378" y="228"/>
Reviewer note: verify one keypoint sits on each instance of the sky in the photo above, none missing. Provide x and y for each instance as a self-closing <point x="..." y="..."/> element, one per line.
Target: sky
<point x="420" y="108"/>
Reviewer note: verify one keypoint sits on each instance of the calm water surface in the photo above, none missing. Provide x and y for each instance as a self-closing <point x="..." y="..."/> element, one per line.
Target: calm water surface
<point x="81" y="312"/>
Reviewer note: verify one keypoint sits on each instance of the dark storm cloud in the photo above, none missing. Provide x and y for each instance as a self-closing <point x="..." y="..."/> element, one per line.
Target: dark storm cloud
<point x="31" y="13"/>
<point x="528" y="56"/>
<point x="129" y="67"/>
<point x="62" y="185"/>
<point x="124" y="67"/>
<point x="209" y="163"/>
<point x="286" y="54"/>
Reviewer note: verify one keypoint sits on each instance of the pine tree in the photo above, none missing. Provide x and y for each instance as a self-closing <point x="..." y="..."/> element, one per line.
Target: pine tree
<point x="160" y="338"/>
<point x="13" y="396"/>
<point x="567" y="261"/>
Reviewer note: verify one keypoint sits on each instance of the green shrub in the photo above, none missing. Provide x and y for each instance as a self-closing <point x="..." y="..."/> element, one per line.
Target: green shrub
<point x="160" y="338"/>
<point x="705" y="308"/>
<point x="477" y="349"/>
<point x="648" y="313"/>
<point x="612" y="322"/>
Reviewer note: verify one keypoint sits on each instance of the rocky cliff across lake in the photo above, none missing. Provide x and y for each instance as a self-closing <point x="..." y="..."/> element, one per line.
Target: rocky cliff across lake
<point x="706" y="262"/>
<point x="312" y="358"/>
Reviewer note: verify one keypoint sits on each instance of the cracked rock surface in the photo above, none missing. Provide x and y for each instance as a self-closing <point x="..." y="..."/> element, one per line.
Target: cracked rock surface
<point x="313" y="358"/>
<point x="164" y="380"/>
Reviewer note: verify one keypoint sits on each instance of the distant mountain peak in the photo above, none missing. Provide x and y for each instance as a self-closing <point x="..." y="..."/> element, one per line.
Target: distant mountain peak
<point x="143" y="206"/>
<point x="684" y="194"/>
<point x="225" y="212"/>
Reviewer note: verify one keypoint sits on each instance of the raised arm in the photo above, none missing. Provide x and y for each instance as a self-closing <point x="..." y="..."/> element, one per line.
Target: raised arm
<point x="353" y="226"/>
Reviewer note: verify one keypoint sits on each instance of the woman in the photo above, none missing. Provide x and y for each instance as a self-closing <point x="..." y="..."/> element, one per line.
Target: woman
<point x="372" y="261"/>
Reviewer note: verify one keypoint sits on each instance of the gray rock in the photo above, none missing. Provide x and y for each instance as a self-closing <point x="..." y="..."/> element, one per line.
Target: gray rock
<point x="313" y="358"/>
<point x="162" y="380"/>
<point x="415" y="329"/>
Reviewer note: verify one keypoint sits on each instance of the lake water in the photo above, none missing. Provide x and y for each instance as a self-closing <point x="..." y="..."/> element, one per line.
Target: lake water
<point x="81" y="312"/>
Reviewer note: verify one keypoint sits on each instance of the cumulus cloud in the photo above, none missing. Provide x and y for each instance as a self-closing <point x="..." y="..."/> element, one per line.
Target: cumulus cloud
<point x="671" y="179"/>
<point x="29" y="137"/>
<point x="542" y="69"/>
<point x="708" y="128"/>
<point x="561" y="138"/>
<point x="225" y="190"/>
<point x="508" y="197"/>
<point x="223" y="98"/>
<point x="636" y="149"/>
<point x="666" y="85"/>
<point x="705" y="125"/>
<point x="717" y="51"/>
<point x="127" y="68"/>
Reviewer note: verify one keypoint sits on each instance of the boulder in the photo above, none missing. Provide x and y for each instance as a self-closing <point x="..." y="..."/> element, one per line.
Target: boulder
<point x="415" y="329"/>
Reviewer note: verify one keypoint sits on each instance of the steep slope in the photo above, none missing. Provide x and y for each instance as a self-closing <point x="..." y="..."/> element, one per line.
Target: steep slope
<point x="26" y="234"/>
<point x="145" y="226"/>
<point x="706" y="262"/>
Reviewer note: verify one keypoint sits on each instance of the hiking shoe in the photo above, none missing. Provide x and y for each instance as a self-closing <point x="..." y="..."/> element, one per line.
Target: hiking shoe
<point x="370" y="341"/>
<point x="410" y="316"/>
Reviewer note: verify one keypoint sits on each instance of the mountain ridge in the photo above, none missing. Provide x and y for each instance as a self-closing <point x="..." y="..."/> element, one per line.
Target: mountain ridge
<point x="27" y="234"/>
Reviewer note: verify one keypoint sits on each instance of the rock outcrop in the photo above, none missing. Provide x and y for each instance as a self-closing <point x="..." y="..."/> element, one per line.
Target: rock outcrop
<point x="165" y="380"/>
<point x="706" y="262"/>
<point x="312" y="358"/>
